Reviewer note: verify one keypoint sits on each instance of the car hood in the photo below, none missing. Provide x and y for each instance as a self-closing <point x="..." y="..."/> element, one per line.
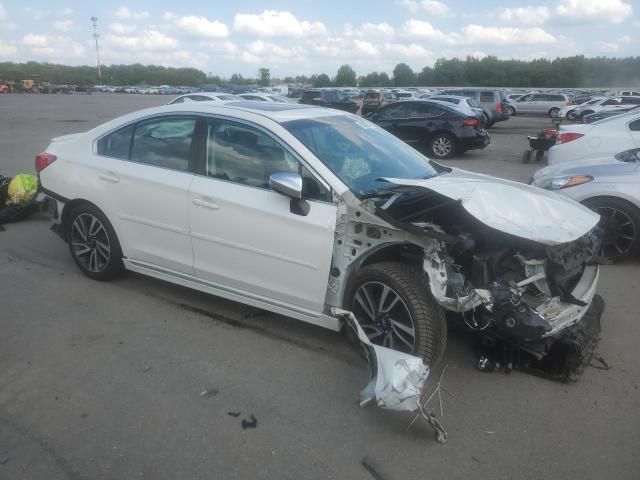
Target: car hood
<point x="511" y="207"/>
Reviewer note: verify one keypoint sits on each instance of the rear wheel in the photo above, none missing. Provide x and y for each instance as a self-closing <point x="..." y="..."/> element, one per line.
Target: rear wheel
<point x="512" y="111"/>
<point x="93" y="243"/>
<point x="442" y="145"/>
<point x="393" y="305"/>
<point x="620" y="222"/>
<point x="553" y="113"/>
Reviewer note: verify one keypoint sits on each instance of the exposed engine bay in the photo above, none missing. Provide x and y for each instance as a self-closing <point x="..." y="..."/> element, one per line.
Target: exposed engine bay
<point x="532" y="302"/>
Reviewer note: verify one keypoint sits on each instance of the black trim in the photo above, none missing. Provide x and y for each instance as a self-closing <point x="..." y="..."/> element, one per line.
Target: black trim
<point x="54" y="195"/>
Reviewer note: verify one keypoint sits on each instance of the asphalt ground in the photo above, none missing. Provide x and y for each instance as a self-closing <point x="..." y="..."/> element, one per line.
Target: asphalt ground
<point x="138" y="378"/>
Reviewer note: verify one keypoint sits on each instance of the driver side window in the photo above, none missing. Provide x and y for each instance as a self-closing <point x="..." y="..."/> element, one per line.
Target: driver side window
<point x="239" y="153"/>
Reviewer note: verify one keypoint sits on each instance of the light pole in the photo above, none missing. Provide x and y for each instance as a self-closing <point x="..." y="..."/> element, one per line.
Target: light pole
<point x="95" y="37"/>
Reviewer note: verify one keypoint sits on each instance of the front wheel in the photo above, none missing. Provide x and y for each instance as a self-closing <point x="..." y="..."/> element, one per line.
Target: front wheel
<point x="395" y="309"/>
<point x="442" y="146"/>
<point x="553" y="113"/>
<point x="93" y="243"/>
<point x="620" y="222"/>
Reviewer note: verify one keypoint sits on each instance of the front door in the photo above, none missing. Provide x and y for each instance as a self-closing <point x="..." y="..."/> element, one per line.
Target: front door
<point x="245" y="237"/>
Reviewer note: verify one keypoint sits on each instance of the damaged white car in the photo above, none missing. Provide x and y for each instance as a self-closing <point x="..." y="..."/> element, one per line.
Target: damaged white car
<point x="311" y="213"/>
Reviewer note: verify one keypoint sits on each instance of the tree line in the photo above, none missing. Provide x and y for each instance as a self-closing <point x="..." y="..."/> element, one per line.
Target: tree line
<point x="577" y="71"/>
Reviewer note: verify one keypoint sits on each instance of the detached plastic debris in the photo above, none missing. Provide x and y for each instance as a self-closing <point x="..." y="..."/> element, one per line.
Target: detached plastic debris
<point x="397" y="379"/>
<point x="17" y="197"/>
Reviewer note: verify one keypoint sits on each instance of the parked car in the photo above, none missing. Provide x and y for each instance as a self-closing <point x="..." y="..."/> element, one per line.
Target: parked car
<point x="266" y="97"/>
<point x="629" y="93"/>
<point x="611" y="187"/>
<point x="594" y="140"/>
<point x="611" y="105"/>
<point x="601" y="115"/>
<point x="467" y="103"/>
<point x="404" y="95"/>
<point x="435" y="128"/>
<point x="330" y="98"/>
<point x="310" y="212"/>
<point x="539" y="103"/>
<point x="572" y="112"/>
<point x="204" y="97"/>
<point x="493" y="100"/>
<point x="375" y="99"/>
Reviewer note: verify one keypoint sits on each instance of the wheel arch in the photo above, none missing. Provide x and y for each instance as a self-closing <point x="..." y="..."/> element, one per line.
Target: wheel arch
<point x="72" y="205"/>
<point x="595" y="198"/>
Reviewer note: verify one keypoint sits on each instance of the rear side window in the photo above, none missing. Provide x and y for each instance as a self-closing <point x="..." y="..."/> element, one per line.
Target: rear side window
<point x="631" y="100"/>
<point x="398" y="110"/>
<point x="611" y="102"/>
<point x="635" y="126"/>
<point x="164" y="142"/>
<point x="116" y="144"/>
<point x="487" y="97"/>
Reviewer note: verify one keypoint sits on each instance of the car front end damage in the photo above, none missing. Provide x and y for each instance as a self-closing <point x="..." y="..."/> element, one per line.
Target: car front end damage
<point x="514" y="264"/>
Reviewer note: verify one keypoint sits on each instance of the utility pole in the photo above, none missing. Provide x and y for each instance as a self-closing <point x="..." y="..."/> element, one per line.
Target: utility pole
<point x="95" y="37"/>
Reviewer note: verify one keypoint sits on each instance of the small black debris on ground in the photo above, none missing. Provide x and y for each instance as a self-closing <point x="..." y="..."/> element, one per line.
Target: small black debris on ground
<point x="250" y="424"/>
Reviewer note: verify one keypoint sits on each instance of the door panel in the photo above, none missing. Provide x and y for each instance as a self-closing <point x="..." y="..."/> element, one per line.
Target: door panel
<point x="145" y="174"/>
<point x="244" y="235"/>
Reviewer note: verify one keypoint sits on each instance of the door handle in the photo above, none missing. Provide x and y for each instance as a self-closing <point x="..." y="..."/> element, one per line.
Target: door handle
<point x="109" y="177"/>
<point x="205" y="204"/>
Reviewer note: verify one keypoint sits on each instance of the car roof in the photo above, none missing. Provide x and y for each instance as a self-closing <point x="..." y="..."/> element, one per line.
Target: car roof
<point x="276" y="111"/>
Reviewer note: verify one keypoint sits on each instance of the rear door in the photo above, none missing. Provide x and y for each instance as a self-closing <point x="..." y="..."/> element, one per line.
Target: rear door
<point x="246" y="239"/>
<point x="145" y="171"/>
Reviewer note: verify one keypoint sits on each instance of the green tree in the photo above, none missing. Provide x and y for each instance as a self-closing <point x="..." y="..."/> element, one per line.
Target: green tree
<point x="321" y="80"/>
<point x="403" y="76"/>
<point x="346" y="77"/>
<point x="264" y="77"/>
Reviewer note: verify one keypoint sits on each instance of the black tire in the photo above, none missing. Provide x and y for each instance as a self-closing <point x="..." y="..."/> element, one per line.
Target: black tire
<point x="620" y="221"/>
<point x="408" y="282"/>
<point x="539" y="155"/>
<point x="442" y="145"/>
<point x="584" y="114"/>
<point x="553" y="112"/>
<point x="94" y="262"/>
<point x="512" y="111"/>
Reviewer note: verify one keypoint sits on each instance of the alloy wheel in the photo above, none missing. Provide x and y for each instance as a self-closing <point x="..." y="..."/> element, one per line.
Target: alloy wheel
<point x="619" y="232"/>
<point x="442" y="146"/>
<point x="90" y="242"/>
<point x="384" y="316"/>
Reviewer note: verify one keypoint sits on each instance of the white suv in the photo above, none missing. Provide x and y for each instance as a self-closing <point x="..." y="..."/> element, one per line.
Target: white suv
<point x="308" y="211"/>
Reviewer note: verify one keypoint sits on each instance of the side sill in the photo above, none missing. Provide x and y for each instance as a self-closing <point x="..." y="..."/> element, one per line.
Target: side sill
<point x="189" y="281"/>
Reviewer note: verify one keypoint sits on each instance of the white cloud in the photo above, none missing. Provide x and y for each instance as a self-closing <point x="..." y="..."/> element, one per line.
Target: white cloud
<point x="52" y="47"/>
<point x="3" y="13"/>
<point x="271" y="23"/>
<point x="437" y="9"/>
<point x="479" y="35"/>
<point x="525" y="15"/>
<point x="125" y="13"/>
<point x="7" y="49"/>
<point x="65" y="12"/>
<point x="374" y="30"/>
<point x="625" y="40"/>
<point x="365" y="48"/>
<point x="413" y="50"/>
<point x="586" y="11"/>
<point x="151" y="40"/>
<point x="122" y="29"/>
<point x="410" y="5"/>
<point x="199" y="26"/>
<point x="63" y="25"/>
<point x="608" y="47"/>
<point x="420" y="29"/>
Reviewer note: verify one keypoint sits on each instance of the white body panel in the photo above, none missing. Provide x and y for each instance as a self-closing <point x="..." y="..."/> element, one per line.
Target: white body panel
<point x="606" y="137"/>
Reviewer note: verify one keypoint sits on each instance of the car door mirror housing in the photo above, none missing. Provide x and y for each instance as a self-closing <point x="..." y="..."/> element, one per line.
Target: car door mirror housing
<point x="286" y="183"/>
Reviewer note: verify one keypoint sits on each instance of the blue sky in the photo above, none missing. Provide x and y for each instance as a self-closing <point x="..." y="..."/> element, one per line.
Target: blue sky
<point x="306" y="37"/>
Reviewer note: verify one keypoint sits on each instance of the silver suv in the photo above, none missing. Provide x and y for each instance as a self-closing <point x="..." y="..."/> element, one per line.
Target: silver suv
<point x="494" y="101"/>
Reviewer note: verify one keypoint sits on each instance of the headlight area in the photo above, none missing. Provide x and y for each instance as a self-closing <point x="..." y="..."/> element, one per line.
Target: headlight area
<point x="558" y="183"/>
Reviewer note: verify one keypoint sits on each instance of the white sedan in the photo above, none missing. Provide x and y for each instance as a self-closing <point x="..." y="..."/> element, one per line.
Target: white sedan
<point x="308" y="212"/>
<point x="266" y="97"/>
<point x="593" y="140"/>
<point x="204" y="97"/>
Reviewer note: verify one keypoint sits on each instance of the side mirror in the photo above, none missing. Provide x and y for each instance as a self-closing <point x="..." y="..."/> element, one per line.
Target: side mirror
<point x="290" y="185"/>
<point x="286" y="183"/>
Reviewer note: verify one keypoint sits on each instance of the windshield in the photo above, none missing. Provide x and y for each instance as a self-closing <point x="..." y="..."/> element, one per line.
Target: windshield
<point x="359" y="152"/>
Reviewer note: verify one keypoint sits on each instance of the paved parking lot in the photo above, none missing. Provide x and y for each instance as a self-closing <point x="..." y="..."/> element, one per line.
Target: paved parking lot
<point x="142" y="379"/>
